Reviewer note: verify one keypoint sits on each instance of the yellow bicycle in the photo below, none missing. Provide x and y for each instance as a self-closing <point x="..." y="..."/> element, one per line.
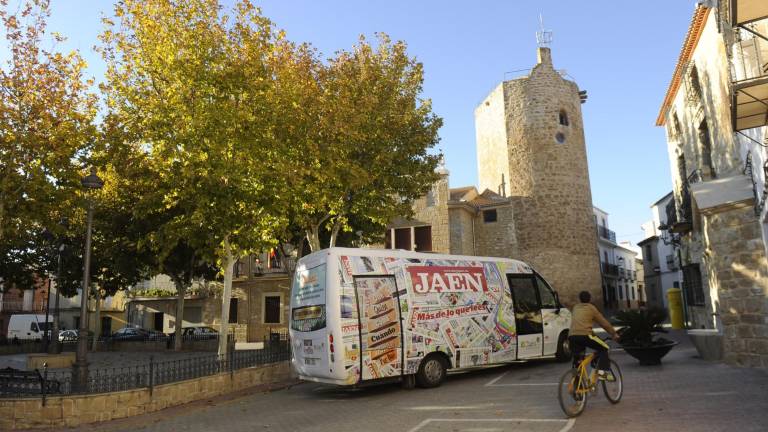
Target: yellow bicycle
<point x="579" y="382"/>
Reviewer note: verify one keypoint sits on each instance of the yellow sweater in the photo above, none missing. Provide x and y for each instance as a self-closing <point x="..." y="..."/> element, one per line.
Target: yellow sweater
<point x="582" y="318"/>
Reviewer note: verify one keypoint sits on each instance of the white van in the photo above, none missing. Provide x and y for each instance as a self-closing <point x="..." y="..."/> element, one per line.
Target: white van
<point x="28" y="326"/>
<point x="359" y="315"/>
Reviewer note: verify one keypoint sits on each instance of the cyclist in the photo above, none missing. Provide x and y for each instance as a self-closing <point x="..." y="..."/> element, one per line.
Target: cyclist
<point x="584" y="315"/>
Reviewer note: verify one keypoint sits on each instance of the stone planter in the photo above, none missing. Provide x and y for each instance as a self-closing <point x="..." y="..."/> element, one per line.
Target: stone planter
<point x="708" y="342"/>
<point x="649" y="356"/>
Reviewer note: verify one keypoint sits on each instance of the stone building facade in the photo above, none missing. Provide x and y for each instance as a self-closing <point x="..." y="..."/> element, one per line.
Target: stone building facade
<point x="714" y="113"/>
<point x="533" y="201"/>
<point x="259" y="306"/>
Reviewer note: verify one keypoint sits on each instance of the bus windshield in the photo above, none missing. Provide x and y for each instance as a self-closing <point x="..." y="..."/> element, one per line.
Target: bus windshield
<point x="308" y="299"/>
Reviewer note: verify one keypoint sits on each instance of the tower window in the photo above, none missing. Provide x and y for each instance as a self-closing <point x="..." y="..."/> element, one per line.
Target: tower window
<point x="490" y="216"/>
<point x="560" y="137"/>
<point x="563" y="118"/>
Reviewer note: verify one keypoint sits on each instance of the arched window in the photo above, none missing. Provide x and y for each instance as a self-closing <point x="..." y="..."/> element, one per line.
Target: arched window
<point x="563" y="118"/>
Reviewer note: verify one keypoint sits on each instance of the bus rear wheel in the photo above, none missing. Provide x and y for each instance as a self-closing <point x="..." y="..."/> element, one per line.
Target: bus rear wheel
<point x="432" y="371"/>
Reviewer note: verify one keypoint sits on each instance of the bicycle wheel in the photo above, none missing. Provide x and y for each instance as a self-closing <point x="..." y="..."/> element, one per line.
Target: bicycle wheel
<point x="571" y="394"/>
<point x="614" y="389"/>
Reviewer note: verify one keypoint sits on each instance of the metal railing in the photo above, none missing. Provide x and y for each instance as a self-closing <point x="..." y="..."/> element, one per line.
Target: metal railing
<point x="749" y="59"/>
<point x="605" y="233"/>
<point x="147" y="375"/>
<point x="610" y="269"/>
<point x="685" y="209"/>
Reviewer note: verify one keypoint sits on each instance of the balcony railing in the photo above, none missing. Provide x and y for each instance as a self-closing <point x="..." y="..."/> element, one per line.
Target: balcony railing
<point x="605" y="233"/>
<point x="749" y="73"/>
<point x="610" y="269"/>
<point x="286" y="265"/>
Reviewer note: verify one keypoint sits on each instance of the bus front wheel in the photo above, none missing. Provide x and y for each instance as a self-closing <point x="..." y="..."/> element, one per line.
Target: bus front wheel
<point x="432" y="371"/>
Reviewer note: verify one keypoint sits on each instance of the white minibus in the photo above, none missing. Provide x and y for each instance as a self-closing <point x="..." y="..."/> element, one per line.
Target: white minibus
<point x="364" y="315"/>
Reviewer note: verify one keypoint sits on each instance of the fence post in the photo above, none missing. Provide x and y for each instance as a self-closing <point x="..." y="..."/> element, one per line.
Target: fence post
<point x="44" y="384"/>
<point x="151" y="374"/>
<point x="231" y="357"/>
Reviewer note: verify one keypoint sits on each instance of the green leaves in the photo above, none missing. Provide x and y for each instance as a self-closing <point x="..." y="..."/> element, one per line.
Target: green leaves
<point x="639" y="325"/>
<point x="360" y="136"/>
<point x="46" y="127"/>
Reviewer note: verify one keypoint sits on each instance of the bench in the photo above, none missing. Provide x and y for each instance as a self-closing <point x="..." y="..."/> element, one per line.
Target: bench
<point x="15" y="381"/>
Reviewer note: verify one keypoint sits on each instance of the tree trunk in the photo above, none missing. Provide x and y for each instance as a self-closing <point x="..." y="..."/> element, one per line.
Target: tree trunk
<point x="229" y="263"/>
<point x="313" y="237"/>
<point x="334" y="234"/>
<point x="96" y="322"/>
<point x="181" y="291"/>
<point x="2" y="215"/>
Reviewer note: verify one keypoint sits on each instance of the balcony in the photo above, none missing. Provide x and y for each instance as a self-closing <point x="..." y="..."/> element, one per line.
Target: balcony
<point x="606" y="233"/>
<point x="610" y="270"/>
<point x="263" y="264"/>
<point x="748" y="43"/>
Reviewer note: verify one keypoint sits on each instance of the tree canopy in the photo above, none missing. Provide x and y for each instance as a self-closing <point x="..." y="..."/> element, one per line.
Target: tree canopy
<point x="46" y="126"/>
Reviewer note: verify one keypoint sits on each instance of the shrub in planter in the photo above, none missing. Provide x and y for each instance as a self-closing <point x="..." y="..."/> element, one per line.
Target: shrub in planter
<point x="638" y="334"/>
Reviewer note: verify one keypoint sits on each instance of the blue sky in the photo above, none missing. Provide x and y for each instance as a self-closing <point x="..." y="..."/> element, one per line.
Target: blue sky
<point x="623" y="53"/>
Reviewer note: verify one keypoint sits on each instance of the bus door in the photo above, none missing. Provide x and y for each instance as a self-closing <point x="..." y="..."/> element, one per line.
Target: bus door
<point x="550" y="315"/>
<point x="528" y="317"/>
<point x="381" y="333"/>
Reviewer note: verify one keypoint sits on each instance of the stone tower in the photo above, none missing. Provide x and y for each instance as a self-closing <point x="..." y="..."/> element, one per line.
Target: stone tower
<point x="530" y="147"/>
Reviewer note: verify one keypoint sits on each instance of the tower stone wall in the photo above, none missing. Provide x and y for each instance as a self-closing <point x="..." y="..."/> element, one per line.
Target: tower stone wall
<point x="546" y="175"/>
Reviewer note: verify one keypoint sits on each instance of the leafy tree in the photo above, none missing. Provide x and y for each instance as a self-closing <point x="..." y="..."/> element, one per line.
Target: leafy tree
<point x="366" y="152"/>
<point x="192" y="86"/>
<point x="46" y="123"/>
<point x="183" y="264"/>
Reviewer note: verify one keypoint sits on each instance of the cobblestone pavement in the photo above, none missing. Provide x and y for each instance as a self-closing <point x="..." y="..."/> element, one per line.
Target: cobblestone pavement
<point x="684" y="394"/>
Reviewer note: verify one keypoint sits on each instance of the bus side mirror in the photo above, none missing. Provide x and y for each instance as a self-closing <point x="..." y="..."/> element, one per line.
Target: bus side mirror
<point x="557" y="299"/>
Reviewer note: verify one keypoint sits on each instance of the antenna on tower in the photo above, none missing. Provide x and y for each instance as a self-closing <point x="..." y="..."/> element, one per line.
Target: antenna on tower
<point x="543" y="36"/>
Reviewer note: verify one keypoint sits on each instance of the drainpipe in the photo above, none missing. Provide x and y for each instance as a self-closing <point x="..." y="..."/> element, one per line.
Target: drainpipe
<point x="682" y="291"/>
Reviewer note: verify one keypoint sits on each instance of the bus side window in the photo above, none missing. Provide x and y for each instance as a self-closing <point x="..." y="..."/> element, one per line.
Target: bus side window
<point x="33" y="326"/>
<point x="548" y="300"/>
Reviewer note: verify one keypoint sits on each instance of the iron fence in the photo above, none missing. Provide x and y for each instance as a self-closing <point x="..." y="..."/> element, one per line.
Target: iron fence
<point x="152" y="373"/>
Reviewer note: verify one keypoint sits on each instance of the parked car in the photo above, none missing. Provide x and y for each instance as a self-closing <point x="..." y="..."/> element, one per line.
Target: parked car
<point x="199" y="333"/>
<point x="130" y="334"/>
<point x="68" y="336"/>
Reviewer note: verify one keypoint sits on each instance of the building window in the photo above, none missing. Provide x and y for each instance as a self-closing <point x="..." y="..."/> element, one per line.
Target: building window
<point x="648" y="253"/>
<point x="431" y="198"/>
<point x="676" y="129"/>
<point x="403" y="238"/>
<point x="694" y="291"/>
<point x="423" y="237"/>
<point x="239" y="269"/>
<point x="490" y="216"/>
<point x="272" y="307"/>
<point x="563" y="118"/>
<point x="706" y="147"/>
<point x="233" y="311"/>
<point x="693" y="85"/>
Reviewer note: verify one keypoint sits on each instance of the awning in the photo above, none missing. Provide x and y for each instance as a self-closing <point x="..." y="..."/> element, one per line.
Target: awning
<point x="723" y="194"/>
<point x="750" y="103"/>
<point x="745" y="11"/>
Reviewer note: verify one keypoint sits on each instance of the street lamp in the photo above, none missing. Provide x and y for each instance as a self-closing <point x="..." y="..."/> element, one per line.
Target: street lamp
<point x="91" y="182"/>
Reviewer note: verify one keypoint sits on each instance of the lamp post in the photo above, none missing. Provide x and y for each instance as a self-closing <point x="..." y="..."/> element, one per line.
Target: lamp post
<point x="80" y="368"/>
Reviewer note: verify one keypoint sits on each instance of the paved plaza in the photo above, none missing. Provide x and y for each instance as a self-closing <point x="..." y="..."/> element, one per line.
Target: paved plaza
<point x="684" y="394"/>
